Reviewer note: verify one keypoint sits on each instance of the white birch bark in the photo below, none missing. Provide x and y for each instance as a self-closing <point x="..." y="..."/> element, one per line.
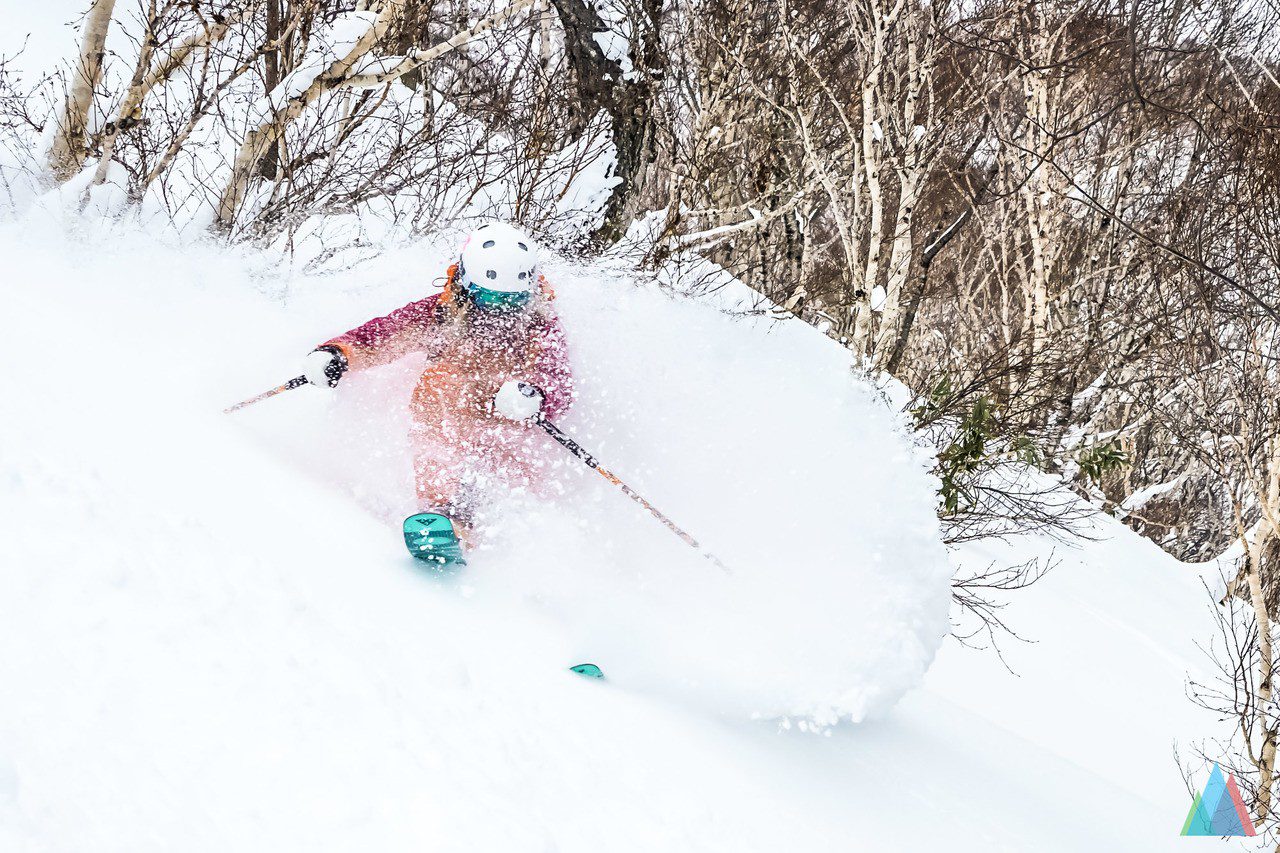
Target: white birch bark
<point x="872" y="163"/>
<point x="1039" y="192"/>
<point x="901" y="251"/>
<point x="69" y="148"/>
<point x="916" y="143"/>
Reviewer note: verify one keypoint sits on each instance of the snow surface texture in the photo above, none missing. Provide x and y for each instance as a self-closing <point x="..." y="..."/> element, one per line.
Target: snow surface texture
<point x="210" y="646"/>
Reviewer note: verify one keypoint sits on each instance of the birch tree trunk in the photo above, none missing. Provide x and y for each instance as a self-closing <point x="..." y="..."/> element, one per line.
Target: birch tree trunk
<point x="1266" y="757"/>
<point x="129" y="107"/>
<point x="70" y="147"/>
<point x="545" y="55"/>
<point x="1268" y="529"/>
<point x="872" y="163"/>
<point x="1037" y="196"/>
<point x="916" y="144"/>
<point x="900" y="256"/>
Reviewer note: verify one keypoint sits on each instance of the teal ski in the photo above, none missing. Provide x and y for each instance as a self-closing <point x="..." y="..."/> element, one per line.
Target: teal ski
<point x="588" y="670"/>
<point x="430" y="537"/>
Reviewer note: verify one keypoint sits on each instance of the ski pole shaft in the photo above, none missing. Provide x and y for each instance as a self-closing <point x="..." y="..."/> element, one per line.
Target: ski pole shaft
<point x="295" y="382"/>
<point x="591" y="462"/>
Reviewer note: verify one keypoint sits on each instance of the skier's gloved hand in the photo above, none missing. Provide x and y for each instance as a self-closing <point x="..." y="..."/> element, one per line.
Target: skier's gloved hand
<point x="518" y="401"/>
<point x="325" y="366"/>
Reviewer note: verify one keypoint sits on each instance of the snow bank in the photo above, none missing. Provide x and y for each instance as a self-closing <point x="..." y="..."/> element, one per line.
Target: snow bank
<point x="240" y="642"/>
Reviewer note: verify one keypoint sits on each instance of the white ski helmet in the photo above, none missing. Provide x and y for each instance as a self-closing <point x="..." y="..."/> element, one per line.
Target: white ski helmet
<point x="499" y="266"/>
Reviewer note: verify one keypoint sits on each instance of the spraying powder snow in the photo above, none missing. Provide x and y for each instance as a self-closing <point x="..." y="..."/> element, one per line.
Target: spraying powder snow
<point x="755" y="435"/>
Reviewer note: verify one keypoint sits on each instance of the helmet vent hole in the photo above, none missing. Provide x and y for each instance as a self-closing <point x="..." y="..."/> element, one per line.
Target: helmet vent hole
<point x="522" y="245"/>
<point x="523" y="276"/>
<point x="488" y="244"/>
<point x="491" y="274"/>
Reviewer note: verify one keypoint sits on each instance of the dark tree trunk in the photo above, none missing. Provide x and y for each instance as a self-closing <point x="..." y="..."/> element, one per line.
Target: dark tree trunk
<point x="936" y="245"/>
<point x="629" y="103"/>
<point x="271" y="78"/>
<point x="412" y="32"/>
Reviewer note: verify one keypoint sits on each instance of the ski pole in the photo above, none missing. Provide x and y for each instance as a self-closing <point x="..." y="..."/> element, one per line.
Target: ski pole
<point x="591" y="462"/>
<point x="295" y="382"/>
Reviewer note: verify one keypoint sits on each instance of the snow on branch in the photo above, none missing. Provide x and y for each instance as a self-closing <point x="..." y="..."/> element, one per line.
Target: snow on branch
<point x="259" y="141"/>
<point x="703" y="239"/>
<point x="345" y="70"/>
<point x="380" y="71"/>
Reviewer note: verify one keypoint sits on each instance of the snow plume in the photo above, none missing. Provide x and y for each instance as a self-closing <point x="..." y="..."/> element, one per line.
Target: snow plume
<point x="756" y="437"/>
<point x="752" y="434"/>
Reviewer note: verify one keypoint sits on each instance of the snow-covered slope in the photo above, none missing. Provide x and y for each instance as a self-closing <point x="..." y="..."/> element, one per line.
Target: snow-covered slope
<point x="212" y="639"/>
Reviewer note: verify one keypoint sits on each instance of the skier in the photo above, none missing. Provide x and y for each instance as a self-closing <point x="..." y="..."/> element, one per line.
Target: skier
<point x="498" y="363"/>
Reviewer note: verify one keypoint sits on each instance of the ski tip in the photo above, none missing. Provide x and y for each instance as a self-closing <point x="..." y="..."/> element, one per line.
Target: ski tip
<point x="431" y="538"/>
<point x="428" y="522"/>
<point x="588" y="670"/>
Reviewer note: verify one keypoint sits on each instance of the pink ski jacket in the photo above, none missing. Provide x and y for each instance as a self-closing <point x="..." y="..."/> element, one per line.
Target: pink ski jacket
<point x="471" y="352"/>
